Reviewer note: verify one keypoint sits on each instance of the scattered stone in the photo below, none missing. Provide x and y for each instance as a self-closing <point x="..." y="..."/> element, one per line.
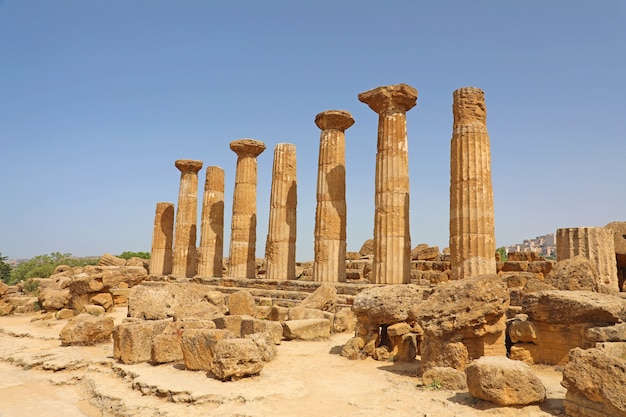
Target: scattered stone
<point x="103" y="299"/>
<point x="241" y="303"/>
<point x="308" y="329"/>
<point x="353" y="347"/>
<point x="64" y="313"/>
<point x="324" y="298"/>
<point x="504" y="382"/>
<point x="196" y="345"/>
<point x="93" y="310"/>
<point x="235" y="359"/>
<point x="345" y="321"/>
<point x="573" y="274"/>
<point x="387" y="304"/>
<point x="111" y="260"/>
<point x="54" y="299"/>
<point x="299" y="313"/>
<point x="568" y="307"/>
<point x="444" y="378"/>
<point x="367" y="248"/>
<point x="265" y="343"/>
<point x="86" y="329"/>
<point x="133" y="340"/>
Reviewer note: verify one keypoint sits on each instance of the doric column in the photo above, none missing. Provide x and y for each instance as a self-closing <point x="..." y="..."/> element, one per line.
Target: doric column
<point x="280" y="246"/>
<point x="392" y="240"/>
<point x="330" y="214"/>
<point x="472" y="230"/>
<point x="185" y="255"/>
<point x="596" y="244"/>
<point x="162" y="235"/>
<point x="242" y="258"/>
<point x="211" y="249"/>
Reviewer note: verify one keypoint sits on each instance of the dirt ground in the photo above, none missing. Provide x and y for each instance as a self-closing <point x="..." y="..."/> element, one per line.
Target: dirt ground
<point x="42" y="378"/>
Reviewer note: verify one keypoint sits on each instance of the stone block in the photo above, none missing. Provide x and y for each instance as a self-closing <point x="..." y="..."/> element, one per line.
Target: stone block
<point x="446" y="378"/>
<point x="133" y="340"/>
<point x="196" y="345"/>
<point x="241" y="303"/>
<point x="85" y="329"/>
<point x="307" y="329"/>
<point x="235" y="359"/>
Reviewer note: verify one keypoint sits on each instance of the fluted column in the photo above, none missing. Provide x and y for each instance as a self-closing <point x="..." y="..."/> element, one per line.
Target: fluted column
<point x="280" y="246"/>
<point x="162" y="235"/>
<point x="330" y="215"/>
<point x="242" y="259"/>
<point x="211" y="249"/>
<point x="185" y="255"/>
<point x="472" y="231"/>
<point x="392" y="240"/>
<point x="596" y="244"/>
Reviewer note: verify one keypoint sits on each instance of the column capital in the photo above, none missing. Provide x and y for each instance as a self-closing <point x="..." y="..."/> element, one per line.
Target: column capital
<point x="247" y="147"/>
<point x="469" y="106"/>
<point x="188" y="165"/>
<point x="390" y="99"/>
<point x="334" y="119"/>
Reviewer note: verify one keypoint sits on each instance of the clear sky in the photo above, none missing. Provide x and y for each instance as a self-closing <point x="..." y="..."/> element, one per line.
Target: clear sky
<point x="99" y="98"/>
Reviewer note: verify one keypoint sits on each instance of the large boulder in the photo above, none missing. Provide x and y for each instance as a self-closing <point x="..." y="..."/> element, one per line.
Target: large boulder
<point x="446" y="378"/>
<point x="388" y="304"/>
<point x="166" y="345"/>
<point x="569" y="307"/>
<point x="111" y="260"/>
<point x="197" y="344"/>
<point x="594" y="382"/>
<point x="466" y="308"/>
<point x="324" y="298"/>
<point x="573" y="274"/>
<point x="367" y="248"/>
<point x="236" y="358"/>
<point x="160" y="302"/>
<point x="54" y="299"/>
<point x="86" y="329"/>
<point x="615" y="333"/>
<point x="503" y="381"/>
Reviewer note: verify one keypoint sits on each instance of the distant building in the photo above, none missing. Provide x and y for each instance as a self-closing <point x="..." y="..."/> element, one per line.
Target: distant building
<point x="542" y="245"/>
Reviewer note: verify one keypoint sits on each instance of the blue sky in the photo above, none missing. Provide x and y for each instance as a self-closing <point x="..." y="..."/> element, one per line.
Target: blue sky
<point x="99" y="98"/>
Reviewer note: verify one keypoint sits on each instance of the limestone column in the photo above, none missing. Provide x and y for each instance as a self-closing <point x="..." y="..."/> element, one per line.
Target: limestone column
<point x="162" y="235"/>
<point x="596" y="244"/>
<point x="472" y="227"/>
<point x="242" y="259"/>
<point x="211" y="249"/>
<point x="280" y="246"/>
<point x="392" y="240"/>
<point x="330" y="214"/>
<point x="185" y="254"/>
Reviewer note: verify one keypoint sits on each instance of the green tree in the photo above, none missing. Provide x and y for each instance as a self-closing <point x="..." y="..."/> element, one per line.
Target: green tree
<point x="42" y="266"/>
<point x="5" y="269"/>
<point x="503" y="255"/>
<point x="129" y="254"/>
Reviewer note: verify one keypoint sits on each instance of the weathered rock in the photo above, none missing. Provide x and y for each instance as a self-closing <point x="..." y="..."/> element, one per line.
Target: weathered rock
<point x="531" y="285"/>
<point x="273" y="328"/>
<point x="53" y="299"/>
<point x="241" y="303"/>
<point x="236" y="358"/>
<point x="367" y="248"/>
<point x="232" y="323"/>
<point x="353" y="348"/>
<point x="278" y="313"/>
<point x="504" y="381"/>
<point x="324" y="298"/>
<point x="566" y="307"/>
<point x="64" y="313"/>
<point x="85" y="329"/>
<point x="387" y="304"/>
<point x="85" y="284"/>
<point x="133" y="340"/>
<point x="103" y="299"/>
<point x="111" y="260"/>
<point x="197" y="344"/>
<point x="308" y="329"/>
<point x="299" y="313"/>
<point x="160" y="302"/>
<point x="166" y="345"/>
<point x="265" y="343"/>
<point x="615" y="333"/>
<point x="423" y="252"/>
<point x="4" y="288"/>
<point x="345" y="321"/>
<point x="93" y="310"/>
<point x="113" y="277"/>
<point x="573" y="274"/>
<point x="470" y="307"/>
<point x="6" y="307"/>
<point x="445" y="378"/>
<point x="447" y="354"/>
<point x="594" y="382"/>
<point x="522" y="331"/>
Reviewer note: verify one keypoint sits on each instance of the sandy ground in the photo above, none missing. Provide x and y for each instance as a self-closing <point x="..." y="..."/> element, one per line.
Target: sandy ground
<point x="42" y="378"/>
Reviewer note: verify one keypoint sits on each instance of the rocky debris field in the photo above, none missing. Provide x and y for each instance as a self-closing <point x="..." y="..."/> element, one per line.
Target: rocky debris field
<point x="307" y="378"/>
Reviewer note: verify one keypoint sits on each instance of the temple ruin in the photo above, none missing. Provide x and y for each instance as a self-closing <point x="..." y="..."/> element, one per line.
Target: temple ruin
<point x="211" y="249"/>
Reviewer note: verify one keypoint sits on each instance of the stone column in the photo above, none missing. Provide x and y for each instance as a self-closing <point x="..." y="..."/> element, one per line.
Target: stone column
<point x="162" y="235"/>
<point x="280" y="246"/>
<point x="392" y="240"/>
<point x="330" y="215"/>
<point x="242" y="258"/>
<point x="596" y="244"/>
<point x="185" y="255"/>
<point x="472" y="229"/>
<point x="211" y="249"/>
